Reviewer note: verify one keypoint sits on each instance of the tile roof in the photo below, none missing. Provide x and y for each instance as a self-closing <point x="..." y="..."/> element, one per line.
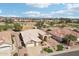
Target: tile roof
<point x="32" y="34"/>
<point x="61" y="32"/>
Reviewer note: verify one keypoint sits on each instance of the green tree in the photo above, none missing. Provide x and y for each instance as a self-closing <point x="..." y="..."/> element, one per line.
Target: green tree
<point x="40" y="24"/>
<point x="51" y="23"/>
<point x="8" y="20"/>
<point x="69" y="38"/>
<point x="62" y="26"/>
<point x="17" y="27"/>
<point x="3" y="27"/>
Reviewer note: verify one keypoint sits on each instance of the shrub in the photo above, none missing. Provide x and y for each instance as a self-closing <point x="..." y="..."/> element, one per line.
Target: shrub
<point x="15" y="54"/>
<point x="69" y="38"/>
<point x="48" y="50"/>
<point x="59" y="47"/>
<point x="20" y="47"/>
<point x="25" y="54"/>
<point x="48" y="29"/>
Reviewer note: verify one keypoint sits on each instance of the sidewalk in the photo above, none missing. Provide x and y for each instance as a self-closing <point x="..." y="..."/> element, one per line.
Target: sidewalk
<point x="60" y="52"/>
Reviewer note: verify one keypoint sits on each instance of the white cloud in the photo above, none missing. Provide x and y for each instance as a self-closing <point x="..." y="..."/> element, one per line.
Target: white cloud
<point x="40" y="5"/>
<point x="36" y="14"/>
<point x="58" y="12"/>
<point x="73" y="8"/>
<point x="12" y="15"/>
<point x="9" y="15"/>
<point x="70" y="10"/>
<point x="32" y="12"/>
<point x="0" y="11"/>
<point x="69" y="6"/>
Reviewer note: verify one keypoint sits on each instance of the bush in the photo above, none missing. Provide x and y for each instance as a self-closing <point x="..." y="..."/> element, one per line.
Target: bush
<point x="60" y="47"/>
<point x="25" y="54"/>
<point x="48" y="50"/>
<point x="48" y="29"/>
<point x="68" y="38"/>
<point x="15" y="54"/>
<point x="5" y="27"/>
<point x="20" y="47"/>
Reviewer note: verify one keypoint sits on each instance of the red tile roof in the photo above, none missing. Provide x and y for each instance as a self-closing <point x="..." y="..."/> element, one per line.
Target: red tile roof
<point x="61" y="32"/>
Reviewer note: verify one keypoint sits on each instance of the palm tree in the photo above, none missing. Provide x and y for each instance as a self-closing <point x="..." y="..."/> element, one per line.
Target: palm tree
<point x="42" y="39"/>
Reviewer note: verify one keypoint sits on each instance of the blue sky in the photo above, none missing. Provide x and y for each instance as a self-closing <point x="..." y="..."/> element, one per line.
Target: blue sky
<point x="39" y="10"/>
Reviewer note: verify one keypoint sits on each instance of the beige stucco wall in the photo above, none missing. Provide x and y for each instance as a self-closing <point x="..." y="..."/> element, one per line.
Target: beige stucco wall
<point x="32" y="45"/>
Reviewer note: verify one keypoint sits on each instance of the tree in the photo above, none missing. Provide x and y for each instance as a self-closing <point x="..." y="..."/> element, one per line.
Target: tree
<point x="69" y="38"/>
<point x="4" y="27"/>
<point x="62" y="26"/>
<point x="43" y="39"/>
<point x="40" y="24"/>
<point x="17" y="27"/>
<point x="51" y="23"/>
<point x="8" y="20"/>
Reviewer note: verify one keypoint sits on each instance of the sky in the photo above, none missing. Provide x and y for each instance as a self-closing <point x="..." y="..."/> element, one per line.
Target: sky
<point x="40" y="10"/>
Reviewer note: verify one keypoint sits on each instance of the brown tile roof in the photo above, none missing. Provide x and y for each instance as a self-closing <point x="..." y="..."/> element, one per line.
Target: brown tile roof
<point x="61" y="32"/>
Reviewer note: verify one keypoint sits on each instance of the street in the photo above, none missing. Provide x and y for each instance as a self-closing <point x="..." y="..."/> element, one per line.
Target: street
<point x="74" y="53"/>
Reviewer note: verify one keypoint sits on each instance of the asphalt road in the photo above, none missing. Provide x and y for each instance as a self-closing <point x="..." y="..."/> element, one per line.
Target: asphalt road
<point x="74" y="53"/>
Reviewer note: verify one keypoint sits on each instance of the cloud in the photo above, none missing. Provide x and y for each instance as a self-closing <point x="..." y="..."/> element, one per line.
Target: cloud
<point x="9" y="15"/>
<point x="40" y="5"/>
<point x="59" y="13"/>
<point x="32" y="12"/>
<point x="36" y="14"/>
<point x="0" y="11"/>
<point x="73" y="8"/>
<point x="70" y="10"/>
<point x="75" y="5"/>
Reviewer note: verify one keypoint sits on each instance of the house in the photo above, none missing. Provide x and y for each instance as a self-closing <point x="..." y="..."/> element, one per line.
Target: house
<point x="30" y="38"/>
<point x="59" y="33"/>
<point x="5" y="43"/>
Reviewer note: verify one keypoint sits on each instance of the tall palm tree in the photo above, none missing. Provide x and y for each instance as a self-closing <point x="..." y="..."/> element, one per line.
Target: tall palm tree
<point x="44" y="39"/>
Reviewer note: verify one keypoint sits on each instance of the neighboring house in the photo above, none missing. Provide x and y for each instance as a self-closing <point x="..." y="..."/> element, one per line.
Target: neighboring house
<point x="5" y="43"/>
<point x="5" y="49"/>
<point x="30" y="38"/>
<point x="59" y="33"/>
